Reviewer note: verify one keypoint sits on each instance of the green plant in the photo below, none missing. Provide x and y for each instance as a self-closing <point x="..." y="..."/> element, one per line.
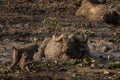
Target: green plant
<point x="116" y="65"/>
<point x="89" y="32"/>
<point x="112" y="40"/>
<point x="5" y="71"/>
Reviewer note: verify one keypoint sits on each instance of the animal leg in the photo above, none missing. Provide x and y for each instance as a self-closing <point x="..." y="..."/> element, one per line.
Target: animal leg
<point x="15" y="59"/>
<point x="23" y="60"/>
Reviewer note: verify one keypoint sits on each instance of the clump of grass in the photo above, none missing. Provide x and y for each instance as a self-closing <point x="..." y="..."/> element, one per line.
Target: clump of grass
<point x="51" y="23"/>
<point x="89" y="32"/>
<point x="113" y="40"/>
<point x="89" y="61"/>
<point x="114" y="65"/>
<point x="5" y="71"/>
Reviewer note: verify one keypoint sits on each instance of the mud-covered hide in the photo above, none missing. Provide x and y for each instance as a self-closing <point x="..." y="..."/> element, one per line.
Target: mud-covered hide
<point x="69" y="46"/>
<point x="53" y="49"/>
<point x="100" y="10"/>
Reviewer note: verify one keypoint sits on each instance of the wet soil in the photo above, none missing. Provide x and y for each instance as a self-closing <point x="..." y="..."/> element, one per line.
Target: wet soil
<point x="21" y="21"/>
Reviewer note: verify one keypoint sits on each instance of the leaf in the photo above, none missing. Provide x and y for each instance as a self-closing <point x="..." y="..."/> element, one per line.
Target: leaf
<point x="88" y="60"/>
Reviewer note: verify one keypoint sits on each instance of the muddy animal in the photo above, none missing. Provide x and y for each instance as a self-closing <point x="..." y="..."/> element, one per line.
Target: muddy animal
<point x="100" y="10"/>
<point x="23" y="55"/>
<point x="64" y="47"/>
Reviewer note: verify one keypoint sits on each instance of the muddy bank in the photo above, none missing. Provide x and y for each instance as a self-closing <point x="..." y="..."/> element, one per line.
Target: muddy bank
<point x="23" y="21"/>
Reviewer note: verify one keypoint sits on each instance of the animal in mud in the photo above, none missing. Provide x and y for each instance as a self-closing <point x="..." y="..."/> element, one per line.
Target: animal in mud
<point x="100" y="10"/>
<point x="23" y="55"/>
<point x="64" y="47"/>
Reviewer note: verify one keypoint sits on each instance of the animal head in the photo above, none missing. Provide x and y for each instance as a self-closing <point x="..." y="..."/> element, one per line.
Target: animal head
<point x="71" y="41"/>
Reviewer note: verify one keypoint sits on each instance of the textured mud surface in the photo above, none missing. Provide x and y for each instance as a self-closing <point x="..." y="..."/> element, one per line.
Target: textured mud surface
<point x="22" y="21"/>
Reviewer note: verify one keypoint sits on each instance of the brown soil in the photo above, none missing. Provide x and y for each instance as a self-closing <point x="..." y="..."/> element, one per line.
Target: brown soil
<point x="23" y="20"/>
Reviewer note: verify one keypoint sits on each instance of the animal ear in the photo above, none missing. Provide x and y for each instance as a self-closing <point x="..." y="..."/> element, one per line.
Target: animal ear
<point x="83" y="37"/>
<point x="70" y="36"/>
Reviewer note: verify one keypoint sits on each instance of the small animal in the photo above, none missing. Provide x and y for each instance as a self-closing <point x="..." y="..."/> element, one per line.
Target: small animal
<point x="23" y="55"/>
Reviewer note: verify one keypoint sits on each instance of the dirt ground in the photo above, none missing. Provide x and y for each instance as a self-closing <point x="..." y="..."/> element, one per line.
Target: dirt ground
<point x="21" y="21"/>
